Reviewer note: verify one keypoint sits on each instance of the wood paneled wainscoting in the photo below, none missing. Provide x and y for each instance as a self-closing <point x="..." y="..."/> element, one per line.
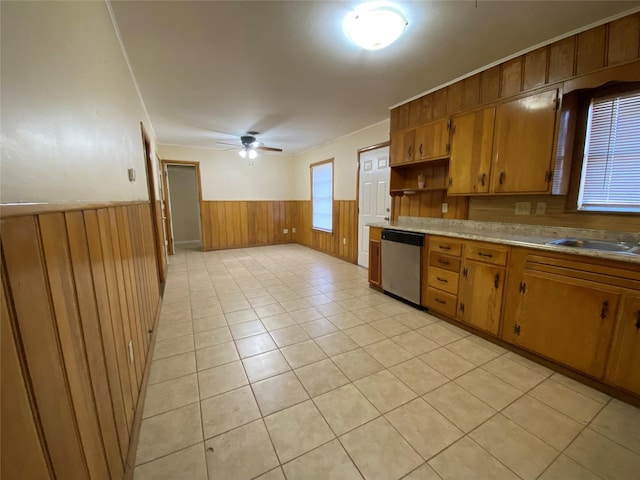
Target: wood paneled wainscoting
<point x="343" y="241"/>
<point x="79" y="298"/>
<point x="233" y="224"/>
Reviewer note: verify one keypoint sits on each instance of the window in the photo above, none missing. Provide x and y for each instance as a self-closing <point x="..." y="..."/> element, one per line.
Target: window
<point x="610" y="178"/>
<point x="322" y="195"/>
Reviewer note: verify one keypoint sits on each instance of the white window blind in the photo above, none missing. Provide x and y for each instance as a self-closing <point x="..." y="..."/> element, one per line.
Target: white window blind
<point x="611" y="168"/>
<point x="322" y="196"/>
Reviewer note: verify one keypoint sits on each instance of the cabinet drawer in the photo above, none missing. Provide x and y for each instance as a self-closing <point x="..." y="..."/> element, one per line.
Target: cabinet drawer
<point x="443" y="280"/>
<point x="488" y="253"/>
<point x="441" y="301"/>
<point x="444" y="261"/>
<point x="445" y="245"/>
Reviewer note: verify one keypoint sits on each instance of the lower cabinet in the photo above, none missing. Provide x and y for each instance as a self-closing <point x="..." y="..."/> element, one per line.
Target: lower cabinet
<point x="375" y="258"/>
<point x="566" y="319"/>
<point x="482" y="286"/>
<point x="624" y="364"/>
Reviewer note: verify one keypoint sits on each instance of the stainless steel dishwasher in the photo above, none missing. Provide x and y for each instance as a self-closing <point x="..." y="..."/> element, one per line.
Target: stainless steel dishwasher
<point x="401" y="255"/>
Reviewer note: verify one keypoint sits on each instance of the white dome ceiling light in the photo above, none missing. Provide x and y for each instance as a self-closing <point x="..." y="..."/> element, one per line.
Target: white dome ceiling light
<point x="375" y="25"/>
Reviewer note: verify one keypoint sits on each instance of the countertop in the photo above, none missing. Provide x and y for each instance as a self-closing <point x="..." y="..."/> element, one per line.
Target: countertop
<point x="530" y="236"/>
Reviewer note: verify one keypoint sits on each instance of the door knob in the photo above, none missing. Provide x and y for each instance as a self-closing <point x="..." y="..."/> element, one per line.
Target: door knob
<point x="386" y="218"/>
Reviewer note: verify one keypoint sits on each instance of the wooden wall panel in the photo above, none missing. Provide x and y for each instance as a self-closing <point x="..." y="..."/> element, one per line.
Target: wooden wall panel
<point x="562" y="59"/>
<point x="234" y="224"/>
<point x="106" y="328"/>
<point x="79" y="286"/>
<point x="535" y="68"/>
<point x="93" y="339"/>
<point x="502" y="209"/>
<point x="28" y="286"/>
<point x="21" y="451"/>
<point x="624" y="40"/>
<point x="490" y="84"/>
<point x="511" y="79"/>
<point x="591" y="50"/>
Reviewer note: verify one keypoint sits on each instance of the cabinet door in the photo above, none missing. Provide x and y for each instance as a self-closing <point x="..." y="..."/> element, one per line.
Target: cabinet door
<point x="624" y="364"/>
<point x="375" y="270"/>
<point x="432" y="140"/>
<point x="471" y="148"/>
<point x="396" y="150"/>
<point x="480" y="299"/>
<point x="408" y="140"/>
<point x="566" y="319"/>
<point x="523" y="148"/>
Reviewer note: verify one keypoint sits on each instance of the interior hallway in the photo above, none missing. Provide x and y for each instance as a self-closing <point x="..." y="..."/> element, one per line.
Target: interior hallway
<point x="280" y="362"/>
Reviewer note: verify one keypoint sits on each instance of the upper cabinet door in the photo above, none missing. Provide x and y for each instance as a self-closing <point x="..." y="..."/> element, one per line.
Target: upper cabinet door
<point x="524" y="139"/>
<point x="408" y="140"/>
<point x="396" y="150"/>
<point x="432" y="140"/>
<point x="471" y="147"/>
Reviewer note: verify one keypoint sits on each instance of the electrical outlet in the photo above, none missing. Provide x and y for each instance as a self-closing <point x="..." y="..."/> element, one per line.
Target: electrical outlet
<point x="344" y="241"/>
<point x="523" y="208"/>
<point x="445" y="207"/>
<point x="285" y="231"/>
<point x="293" y="230"/>
<point x="541" y="208"/>
<point x="132" y="174"/>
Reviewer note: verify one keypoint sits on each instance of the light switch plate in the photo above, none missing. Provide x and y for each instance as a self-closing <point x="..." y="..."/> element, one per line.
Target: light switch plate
<point x="285" y="231"/>
<point x="523" y="208"/>
<point x="445" y="207"/>
<point x="293" y="230"/>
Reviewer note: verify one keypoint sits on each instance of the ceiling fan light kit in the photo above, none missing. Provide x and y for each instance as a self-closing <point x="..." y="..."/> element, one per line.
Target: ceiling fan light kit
<point x="375" y="25"/>
<point x="250" y="146"/>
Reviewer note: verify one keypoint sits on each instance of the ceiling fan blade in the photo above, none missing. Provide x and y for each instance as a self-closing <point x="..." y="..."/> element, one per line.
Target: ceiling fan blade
<point x="230" y="144"/>
<point x="270" y="149"/>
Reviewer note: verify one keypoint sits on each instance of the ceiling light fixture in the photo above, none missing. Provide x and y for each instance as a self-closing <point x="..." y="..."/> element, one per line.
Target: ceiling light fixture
<point x="249" y="151"/>
<point x="375" y="25"/>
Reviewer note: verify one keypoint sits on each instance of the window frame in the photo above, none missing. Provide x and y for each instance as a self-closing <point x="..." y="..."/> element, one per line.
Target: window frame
<point x="579" y="144"/>
<point x="311" y="167"/>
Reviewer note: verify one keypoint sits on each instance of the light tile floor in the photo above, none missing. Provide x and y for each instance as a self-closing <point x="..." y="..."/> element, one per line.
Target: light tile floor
<point x="280" y="362"/>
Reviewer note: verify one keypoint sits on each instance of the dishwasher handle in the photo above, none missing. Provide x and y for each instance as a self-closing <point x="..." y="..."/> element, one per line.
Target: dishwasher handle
<point x="399" y="236"/>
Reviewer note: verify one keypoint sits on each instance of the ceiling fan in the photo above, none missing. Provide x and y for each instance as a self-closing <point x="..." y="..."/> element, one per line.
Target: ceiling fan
<point x="250" y="145"/>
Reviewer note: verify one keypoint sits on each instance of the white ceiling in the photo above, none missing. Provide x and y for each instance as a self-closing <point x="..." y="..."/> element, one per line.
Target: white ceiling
<point x="209" y="71"/>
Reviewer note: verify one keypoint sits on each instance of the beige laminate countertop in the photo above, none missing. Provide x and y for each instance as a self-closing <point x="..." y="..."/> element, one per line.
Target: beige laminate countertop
<point x="529" y="236"/>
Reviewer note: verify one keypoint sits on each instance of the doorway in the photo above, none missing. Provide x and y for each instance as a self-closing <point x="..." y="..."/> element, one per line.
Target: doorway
<point x="182" y="182"/>
<point x="374" y="199"/>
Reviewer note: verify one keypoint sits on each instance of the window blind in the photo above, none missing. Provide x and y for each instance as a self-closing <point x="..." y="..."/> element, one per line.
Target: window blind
<point x="611" y="167"/>
<point x="322" y="196"/>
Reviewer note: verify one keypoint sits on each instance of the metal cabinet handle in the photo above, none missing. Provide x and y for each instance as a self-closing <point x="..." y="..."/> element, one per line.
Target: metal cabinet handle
<point x="440" y="301"/>
<point x="420" y="149"/>
<point x="501" y="178"/>
<point x="442" y="261"/>
<point x="444" y="247"/>
<point x="443" y="280"/>
<point x="605" y="310"/>
<point x="488" y="255"/>
<point x="483" y="178"/>
<point x="409" y="152"/>
<point x="496" y="280"/>
<point x="638" y="320"/>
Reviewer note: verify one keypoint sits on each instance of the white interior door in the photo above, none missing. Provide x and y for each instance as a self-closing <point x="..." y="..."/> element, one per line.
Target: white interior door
<point x="375" y="200"/>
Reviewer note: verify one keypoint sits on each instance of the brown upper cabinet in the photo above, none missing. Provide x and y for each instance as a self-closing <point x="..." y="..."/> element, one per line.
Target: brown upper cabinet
<point x="432" y="140"/>
<point x="523" y="144"/>
<point x="471" y="148"/>
<point x="505" y="149"/>
<point x="427" y="142"/>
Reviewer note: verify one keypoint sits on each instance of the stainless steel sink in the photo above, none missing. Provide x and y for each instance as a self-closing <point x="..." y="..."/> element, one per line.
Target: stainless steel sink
<point x="602" y="245"/>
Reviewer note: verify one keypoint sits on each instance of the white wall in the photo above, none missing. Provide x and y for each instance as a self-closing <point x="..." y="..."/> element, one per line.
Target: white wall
<point x="344" y="151"/>
<point x="227" y="176"/>
<point x="70" y="111"/>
